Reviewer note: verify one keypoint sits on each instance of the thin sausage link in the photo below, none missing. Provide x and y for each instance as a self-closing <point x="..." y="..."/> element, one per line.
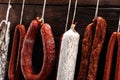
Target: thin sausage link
<point x="117" y="71"/>
<point x="86" y="49"/>
<point x="14" y="71"/>
<point x="110" y="49"/>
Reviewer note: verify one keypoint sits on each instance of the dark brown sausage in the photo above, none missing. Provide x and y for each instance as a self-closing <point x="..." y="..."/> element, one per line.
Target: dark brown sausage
<point x="117" y="71"/>
<point x="14" y="71"/>
<point x="98" y="41"/>
<point x="86" y="50"/>
<point x="110" y="49"/>
<point x="49" y="52"/>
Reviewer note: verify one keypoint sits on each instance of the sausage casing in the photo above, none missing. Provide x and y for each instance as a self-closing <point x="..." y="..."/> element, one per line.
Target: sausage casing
<point x="117" y="71"/>
<point x="14" y="71"/>
<point x="98" y="41"/>
<point x="110" y="50"/>
<point x="68" y="55"/>
<point x="49" y="52"/>
<point x="86" y="50"/>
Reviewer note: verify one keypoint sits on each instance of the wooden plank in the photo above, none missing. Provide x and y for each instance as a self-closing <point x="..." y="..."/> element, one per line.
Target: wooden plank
<point x="65" y="2"/>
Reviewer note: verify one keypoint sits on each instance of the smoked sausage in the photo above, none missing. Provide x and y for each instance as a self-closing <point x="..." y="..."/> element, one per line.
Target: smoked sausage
<point x="91" y="48"/>
<point x="117" y="71"/>
<point x="14" y="70"/>
<point x="110" y="50"/>
<point x="48" y="48"/>
<point x="97" y="44"/>
<point x="86" y="50"/>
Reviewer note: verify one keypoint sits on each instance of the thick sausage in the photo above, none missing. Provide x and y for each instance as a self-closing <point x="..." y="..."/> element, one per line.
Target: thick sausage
<point x="14" y="71"/>
<point x="117" y="71"/>
<point x="98" y="41"/>
<point x="108" y="63"/>
<point x="86" y="50"/>
<point x="68" y="55"/>
<point x="49" y="52"/>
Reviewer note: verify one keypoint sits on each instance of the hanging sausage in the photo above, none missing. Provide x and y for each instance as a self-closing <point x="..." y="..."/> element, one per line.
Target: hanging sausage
<point x="109" y="56"/>
<point x="97" y="45"/>
<point x="4" y="42"/>
<point x="68" y="55"/>
<point x="14" y="71"/>
<point x="68" y="51"/>
<point x="117" y="71"/>
<point x="48" y="49"/>
<point x="86" y="49"/>
<point x="91" y="47"/>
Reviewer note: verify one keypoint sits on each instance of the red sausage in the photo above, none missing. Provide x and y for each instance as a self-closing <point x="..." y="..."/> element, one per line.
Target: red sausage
<point x="98" y="41"/>
<point x="108" y="63"/>
<point x="49" y="52"/>
<point x="14" y="71"/>
<point x="117" y="72"/>
<point x="86" y="49"/>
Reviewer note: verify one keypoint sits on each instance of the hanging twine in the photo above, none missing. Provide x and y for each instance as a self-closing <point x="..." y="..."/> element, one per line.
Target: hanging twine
<point x="96" y="12"/>
<point x="119" y="25"/>
<point x="7" y="14"/>
<point x="43" y="12"/>
<point x="75" y="8"/>
<point x="21" y="18"/>
<point x="8" y="11"/>
<point x="74" y="11"/>
<point x="68" y="13"/>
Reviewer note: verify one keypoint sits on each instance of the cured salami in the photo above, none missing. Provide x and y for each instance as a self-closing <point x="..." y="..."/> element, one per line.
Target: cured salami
<point x="117" y="71"/>
<point x="48" y="48"/>
<point x="4" y="42"/>
<point x="68" y="55"/>
<point x="91" y="49"/>
<point x="86" y="50"/>
<point x="97" y="44"/>
<point x="14" y="71"/>
<point x="109" y="56"/>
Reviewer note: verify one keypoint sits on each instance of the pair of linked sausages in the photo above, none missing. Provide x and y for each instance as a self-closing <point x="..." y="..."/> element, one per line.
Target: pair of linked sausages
<point x="26" y="40"/>
<point x="91" y="49"/>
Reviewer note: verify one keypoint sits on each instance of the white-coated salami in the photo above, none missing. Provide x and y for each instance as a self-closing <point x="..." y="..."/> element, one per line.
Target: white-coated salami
<point x="68" y="55"/>
<point x="4" y="42"/>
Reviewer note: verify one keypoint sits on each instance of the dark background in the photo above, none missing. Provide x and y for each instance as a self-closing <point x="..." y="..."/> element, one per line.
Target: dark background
<point x="55" y="15"/>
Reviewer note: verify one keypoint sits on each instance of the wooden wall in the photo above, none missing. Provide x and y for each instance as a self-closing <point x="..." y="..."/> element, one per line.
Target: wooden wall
<point x="55" y="15"/>
<point x="62" y="2"/>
